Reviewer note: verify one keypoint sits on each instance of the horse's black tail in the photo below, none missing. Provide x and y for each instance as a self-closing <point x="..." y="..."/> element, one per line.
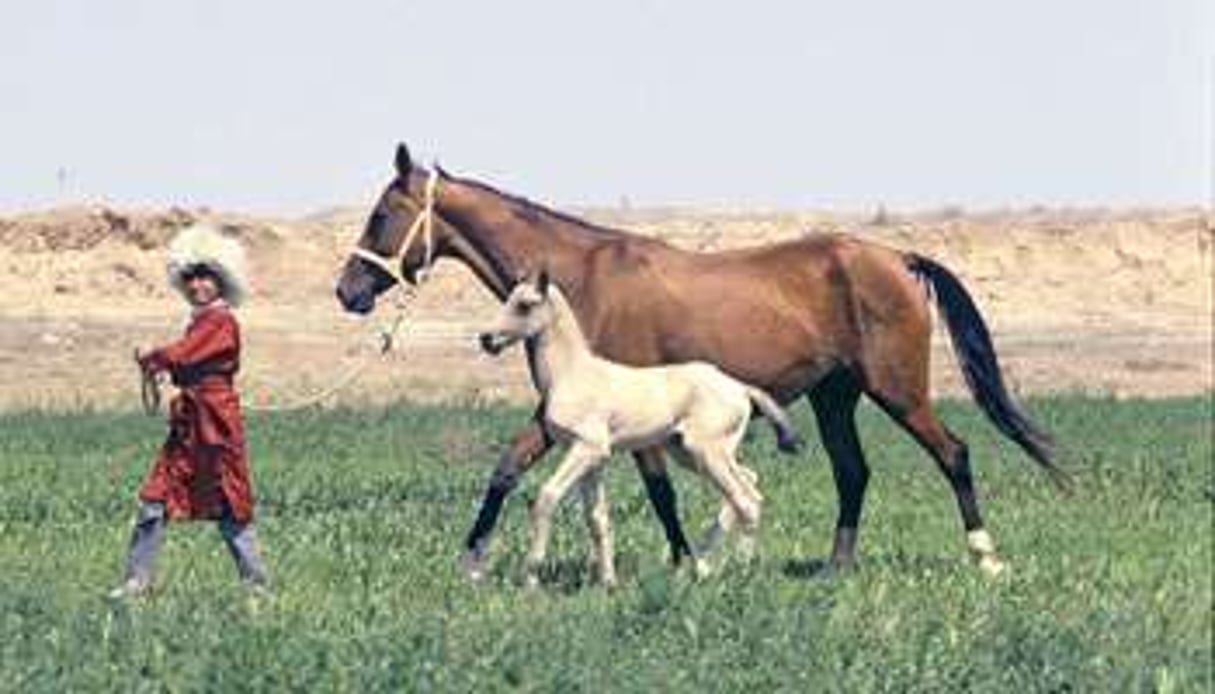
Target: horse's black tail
<point x="980" y="367"/>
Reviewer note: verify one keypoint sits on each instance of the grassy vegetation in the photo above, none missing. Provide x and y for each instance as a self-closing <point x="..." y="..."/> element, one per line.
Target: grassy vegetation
<point x="363" y="512"/>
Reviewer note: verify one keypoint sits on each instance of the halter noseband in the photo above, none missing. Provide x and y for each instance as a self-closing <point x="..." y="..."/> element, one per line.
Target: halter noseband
<point x="423" y="223"/>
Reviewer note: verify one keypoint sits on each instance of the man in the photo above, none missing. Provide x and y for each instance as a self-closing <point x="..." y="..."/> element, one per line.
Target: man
<point x="202" y="471"/>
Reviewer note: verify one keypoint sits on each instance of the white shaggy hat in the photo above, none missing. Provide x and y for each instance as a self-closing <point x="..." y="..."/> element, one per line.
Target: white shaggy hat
<point x="203" y="245"/>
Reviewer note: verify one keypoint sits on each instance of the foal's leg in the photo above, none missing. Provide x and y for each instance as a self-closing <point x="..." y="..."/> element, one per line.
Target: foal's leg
<point x="599" y="521"/>
<point x="580" y="459"/>
<point x="719" y="466"/>
<point x="834" y="400"/>
<point x="746" y="479"/>
<point x="726" y="517"/>
<point x="527" y="447"/>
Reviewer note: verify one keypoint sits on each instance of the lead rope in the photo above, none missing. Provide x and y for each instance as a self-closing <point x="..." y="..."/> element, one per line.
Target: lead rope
<point x="424" y="225"/>
<point x="150" y="382"/>
<point x="149" y="388"/>
<point x="387" y="341"/>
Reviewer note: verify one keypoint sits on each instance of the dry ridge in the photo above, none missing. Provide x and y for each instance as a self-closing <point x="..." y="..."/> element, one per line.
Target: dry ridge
<point x="1116" y="302"/>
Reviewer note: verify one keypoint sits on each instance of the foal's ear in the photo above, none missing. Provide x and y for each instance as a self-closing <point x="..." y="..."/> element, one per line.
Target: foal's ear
<point x="403" y="162"/>
<point x="542" y="282"/>
<point x="520" y="277"/>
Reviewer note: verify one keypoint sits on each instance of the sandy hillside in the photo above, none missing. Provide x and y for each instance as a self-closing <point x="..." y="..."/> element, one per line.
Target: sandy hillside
<point x="1103" y="301"/>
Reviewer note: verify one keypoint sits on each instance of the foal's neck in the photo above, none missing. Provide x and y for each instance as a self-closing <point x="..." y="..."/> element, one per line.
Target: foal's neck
<point x="561" y="348"/>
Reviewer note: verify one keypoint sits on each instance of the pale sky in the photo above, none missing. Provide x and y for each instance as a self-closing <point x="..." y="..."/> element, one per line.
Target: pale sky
<point x="290" y="107"/>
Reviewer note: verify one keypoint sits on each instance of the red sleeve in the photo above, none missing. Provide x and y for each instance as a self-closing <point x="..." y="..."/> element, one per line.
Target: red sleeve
<point x="211" y="335"/>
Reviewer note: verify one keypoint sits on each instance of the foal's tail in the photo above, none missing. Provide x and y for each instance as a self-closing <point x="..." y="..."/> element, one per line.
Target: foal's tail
<point x="787" y="438"/>
<point x="977" y="357"/>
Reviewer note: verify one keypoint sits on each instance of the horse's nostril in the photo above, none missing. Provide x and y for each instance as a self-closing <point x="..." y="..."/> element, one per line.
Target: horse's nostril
<point x="355" y="303"/>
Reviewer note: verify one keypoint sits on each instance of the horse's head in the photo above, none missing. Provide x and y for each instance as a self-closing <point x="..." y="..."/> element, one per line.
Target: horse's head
<point x="528" y="311"/>
<point x="400" y="240"/>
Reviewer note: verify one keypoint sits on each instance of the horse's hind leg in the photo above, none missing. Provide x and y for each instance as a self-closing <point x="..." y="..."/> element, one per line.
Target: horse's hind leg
<point x="834" y="401"/>
<point x="911" y="408"/>
<point x="662" y="497"/>
<point x="599" y="522"/>
<point x="953" y="460"/>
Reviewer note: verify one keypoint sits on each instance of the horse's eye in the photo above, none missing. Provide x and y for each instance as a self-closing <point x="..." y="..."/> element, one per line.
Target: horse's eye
<point x="522" y="308"/>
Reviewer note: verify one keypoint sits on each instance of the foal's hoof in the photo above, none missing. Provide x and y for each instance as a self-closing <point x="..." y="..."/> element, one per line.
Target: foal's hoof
<point x="992" y="566"/>
<point x="473" y="566"/>
<point x="790" y="443"/>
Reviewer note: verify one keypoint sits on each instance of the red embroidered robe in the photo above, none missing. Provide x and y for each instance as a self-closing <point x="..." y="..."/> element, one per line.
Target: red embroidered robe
<point x="202" y="465"/>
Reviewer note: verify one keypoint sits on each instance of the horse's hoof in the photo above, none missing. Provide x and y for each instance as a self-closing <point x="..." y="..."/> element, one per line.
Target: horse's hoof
<point x="531" y="583"/>
<point x="838" y="567"/>
<point x="701" y="568"/>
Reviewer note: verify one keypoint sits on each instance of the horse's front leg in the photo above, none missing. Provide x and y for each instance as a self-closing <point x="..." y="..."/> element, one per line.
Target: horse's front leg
<point x="526" y="448"/>
<point x="658" y="488"/>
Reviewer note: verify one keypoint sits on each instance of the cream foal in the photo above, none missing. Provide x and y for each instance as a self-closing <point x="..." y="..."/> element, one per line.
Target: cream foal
<point x="597" y="405"/>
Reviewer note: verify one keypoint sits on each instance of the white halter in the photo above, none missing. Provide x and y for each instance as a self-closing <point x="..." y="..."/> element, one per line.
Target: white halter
<point x="423" y="223"/>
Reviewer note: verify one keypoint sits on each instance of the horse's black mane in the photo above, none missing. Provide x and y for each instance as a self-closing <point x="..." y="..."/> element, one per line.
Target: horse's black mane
<point x="528" y="206"/>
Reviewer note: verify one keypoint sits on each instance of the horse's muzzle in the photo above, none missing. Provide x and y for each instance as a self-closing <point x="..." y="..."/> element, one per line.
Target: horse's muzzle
<point x="361" y="303"/>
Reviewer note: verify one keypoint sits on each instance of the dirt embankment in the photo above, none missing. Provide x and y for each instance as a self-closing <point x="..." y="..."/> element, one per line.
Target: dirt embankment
<point x="1103" y="301"/>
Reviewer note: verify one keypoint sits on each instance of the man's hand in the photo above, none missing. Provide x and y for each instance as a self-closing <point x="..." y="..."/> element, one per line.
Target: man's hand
<point x="143" y="359"/>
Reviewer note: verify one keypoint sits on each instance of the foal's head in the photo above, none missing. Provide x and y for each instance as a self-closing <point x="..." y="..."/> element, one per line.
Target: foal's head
<point x="400" y="240"/>
<point x="528" y="311"/>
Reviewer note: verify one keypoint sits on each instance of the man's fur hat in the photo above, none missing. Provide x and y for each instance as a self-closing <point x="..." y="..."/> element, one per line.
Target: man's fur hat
<point x="203" y="245"/>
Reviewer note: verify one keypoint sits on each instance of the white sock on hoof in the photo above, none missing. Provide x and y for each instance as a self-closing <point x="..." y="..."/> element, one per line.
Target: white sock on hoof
<point x="983" y="548"/>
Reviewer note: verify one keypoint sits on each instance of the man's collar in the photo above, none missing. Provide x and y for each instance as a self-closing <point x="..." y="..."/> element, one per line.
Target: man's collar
<point x="199" y="310"/>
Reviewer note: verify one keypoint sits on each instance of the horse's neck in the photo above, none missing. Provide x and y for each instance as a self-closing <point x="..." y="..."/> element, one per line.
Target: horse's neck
<point x="561" y="349"/>
<point x="499" y="244"/>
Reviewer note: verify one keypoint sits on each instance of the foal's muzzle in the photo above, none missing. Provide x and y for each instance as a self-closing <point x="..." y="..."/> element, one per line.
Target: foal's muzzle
<point x="493" y="344"/>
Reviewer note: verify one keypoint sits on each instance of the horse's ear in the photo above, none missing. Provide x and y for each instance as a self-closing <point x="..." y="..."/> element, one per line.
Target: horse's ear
<point x="403" y="161"/>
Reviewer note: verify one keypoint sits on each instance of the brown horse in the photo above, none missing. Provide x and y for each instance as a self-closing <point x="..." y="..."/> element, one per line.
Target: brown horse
<point x="827" y="316"/>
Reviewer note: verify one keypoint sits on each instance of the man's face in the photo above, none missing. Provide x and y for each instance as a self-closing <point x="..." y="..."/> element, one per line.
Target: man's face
<point x="201" y="288"/>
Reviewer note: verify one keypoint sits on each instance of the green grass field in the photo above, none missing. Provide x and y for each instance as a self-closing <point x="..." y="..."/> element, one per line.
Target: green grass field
<point x="363" y="513"/>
